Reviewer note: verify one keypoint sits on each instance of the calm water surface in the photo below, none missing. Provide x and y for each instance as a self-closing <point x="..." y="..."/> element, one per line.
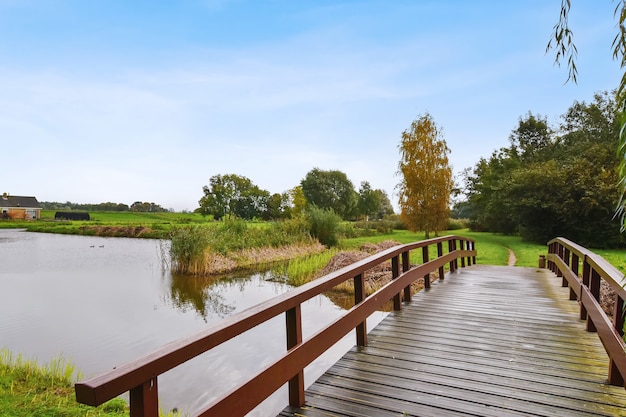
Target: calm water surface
<point x="101" y="302"/>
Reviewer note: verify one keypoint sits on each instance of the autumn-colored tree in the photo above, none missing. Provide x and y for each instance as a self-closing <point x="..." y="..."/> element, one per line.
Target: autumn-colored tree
<point x="426" y="187"/>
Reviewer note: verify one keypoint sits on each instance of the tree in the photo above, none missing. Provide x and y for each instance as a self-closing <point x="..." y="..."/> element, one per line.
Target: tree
<point x="562" y="41"/>
<point x="531" y="138"/>
<point x="485" y="186"/>
<point x="368" y="201"/>
<point x="426" y="187"/>
<point x="298" y="201"/>
<point x="385" y="208"/>
<point x="278" y="207"/>
<point x="330" y="190"/>
<point x="146" y="207"/>
<point x="233" y="195"/>
<point x="373" y="203"/>
<point x="566" y="186"/>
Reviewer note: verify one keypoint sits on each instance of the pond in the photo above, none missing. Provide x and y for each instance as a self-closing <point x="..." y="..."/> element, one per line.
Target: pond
<point x="101" y="302"/>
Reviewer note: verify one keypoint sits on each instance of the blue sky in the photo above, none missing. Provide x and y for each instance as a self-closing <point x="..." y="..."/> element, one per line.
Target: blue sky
<point x="129" y="101"/>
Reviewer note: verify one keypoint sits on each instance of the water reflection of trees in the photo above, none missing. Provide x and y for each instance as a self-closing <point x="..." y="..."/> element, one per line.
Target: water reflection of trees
<point x="205" y="294"/>
<point x="201" y="294"/>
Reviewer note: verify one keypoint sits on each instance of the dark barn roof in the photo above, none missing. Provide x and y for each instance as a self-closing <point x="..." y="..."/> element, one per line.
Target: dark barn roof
<point x="71" y="215"/>
<point x="12" y="201"/>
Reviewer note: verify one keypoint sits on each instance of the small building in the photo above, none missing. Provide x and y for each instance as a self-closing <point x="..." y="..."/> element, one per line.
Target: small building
<point x="18" y="207"/>
<point x="71" y="215"/>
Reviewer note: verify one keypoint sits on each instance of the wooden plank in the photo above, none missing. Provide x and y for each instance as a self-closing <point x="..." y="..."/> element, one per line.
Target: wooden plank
<point x="487" y="341"/>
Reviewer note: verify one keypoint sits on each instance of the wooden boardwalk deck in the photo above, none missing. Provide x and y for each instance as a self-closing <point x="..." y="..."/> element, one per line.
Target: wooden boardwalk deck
<point x="487" y="341"/>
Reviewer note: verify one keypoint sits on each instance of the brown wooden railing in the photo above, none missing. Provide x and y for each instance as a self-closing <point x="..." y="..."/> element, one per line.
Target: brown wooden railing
<point x="140" y="377"/>
<point x="583" y="270"/>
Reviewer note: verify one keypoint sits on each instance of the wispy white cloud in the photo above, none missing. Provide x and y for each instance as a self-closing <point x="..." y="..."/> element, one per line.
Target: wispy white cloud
<point x="332" y="87"/>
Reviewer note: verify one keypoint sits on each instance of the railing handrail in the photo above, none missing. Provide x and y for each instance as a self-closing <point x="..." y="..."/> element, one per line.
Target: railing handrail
<point x="140" y="376"/>
<point x="582" y="271"/>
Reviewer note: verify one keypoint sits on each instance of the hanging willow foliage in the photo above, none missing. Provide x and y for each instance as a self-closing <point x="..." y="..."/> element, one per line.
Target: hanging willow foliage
<point x="562" y="41"/>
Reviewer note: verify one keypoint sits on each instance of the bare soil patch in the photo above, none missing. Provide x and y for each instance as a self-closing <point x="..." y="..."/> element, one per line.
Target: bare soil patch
<point x="375" y="277"/>
<point x="116" y="231"/>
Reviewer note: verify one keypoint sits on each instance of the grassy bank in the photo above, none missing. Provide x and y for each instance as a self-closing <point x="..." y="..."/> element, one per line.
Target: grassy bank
<point x="29" y="389"/>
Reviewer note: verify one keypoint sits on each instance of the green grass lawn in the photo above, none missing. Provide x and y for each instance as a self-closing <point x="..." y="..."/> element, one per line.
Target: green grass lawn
<point x="493" y="249"/>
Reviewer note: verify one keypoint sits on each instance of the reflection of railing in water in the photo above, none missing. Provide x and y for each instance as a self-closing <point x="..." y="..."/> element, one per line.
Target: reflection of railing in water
<point x="140" y="377"/>
<point x="583" y="270"/>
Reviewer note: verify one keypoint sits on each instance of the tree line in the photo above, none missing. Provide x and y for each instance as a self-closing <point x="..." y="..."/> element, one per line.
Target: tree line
<point x="232" y="195"/>
<point x="137" y="206"/>
<point x="424" y="190"/>
<point x="552" y="180"/>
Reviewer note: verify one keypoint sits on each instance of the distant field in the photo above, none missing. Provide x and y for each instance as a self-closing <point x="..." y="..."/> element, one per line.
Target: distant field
<point x="119" y="224"/>
<point x="126" y="217"/>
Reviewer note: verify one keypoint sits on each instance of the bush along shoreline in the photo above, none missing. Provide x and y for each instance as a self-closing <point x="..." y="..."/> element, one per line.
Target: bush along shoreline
<point x="234" y="245"/>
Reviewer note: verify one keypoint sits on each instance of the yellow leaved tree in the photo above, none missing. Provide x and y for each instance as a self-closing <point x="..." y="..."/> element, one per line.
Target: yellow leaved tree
<point x="426" y="186"/>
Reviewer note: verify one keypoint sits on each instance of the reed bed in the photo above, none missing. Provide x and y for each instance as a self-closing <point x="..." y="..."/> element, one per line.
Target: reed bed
<point x="303" y="269"/>
<point x="232" y="245"/>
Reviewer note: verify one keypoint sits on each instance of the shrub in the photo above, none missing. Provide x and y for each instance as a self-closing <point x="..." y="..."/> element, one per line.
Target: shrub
<point x="323" y="225"/>
<point x="187" y="248"/>
<point x="457" y="224"/>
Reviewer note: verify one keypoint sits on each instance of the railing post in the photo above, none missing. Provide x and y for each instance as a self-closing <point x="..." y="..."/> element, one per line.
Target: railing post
<point x="618" y="315"/>
<point x="462" y="246"/>
<point x="586" y="277"/>
<point x="615" y="377"/>
<point x="594" y="287"/>
<point x="560" y="255"/>
<point x="456" y="260"/>
<point x="359" y="295"/>
<point x="144" y="399"/>
<point x="442" y="272"/>
<point x="450" y="250"/>
<point x="395" y="273"/>
<point x="474" y="256"/>
<point x="575" y="265"/>
<point x="294" y="338"/>
<point x="406" y="265"/>
<point x="564" y="282"/>
<point x="424" y="260"/>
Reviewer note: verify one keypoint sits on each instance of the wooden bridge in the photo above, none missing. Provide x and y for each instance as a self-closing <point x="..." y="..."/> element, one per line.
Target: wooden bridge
<point x="484" y="341"/>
